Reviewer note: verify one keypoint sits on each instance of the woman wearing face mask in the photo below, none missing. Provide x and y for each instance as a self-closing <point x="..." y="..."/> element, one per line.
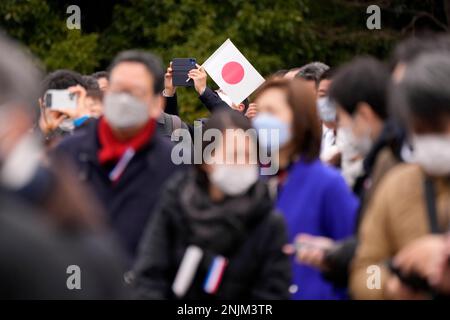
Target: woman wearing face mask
<point x="215" y="234"/>
<point x="413" y="200"/>
<point x="312" y="196"/>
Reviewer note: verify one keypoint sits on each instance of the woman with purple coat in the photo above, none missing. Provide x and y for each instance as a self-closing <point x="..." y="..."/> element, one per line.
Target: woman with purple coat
<point x="312" y="196"/>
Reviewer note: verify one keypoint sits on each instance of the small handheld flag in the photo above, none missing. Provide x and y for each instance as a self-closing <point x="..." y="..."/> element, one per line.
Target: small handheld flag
<point x="215" y="274"/>
<point x="232" y="72"/>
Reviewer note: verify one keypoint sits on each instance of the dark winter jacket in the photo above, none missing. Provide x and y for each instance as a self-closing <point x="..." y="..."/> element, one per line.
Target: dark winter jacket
<point x="243" y="229"/>
<point x="384" y="155"/>
<point x="209" y="98"/>
<point x="167" y="124"/>
<point x="35" y="255"/>
<point x="130" y="201"/>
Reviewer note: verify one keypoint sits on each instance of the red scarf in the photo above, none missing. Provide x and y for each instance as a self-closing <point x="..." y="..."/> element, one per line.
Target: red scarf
<point x="112" y="149"/>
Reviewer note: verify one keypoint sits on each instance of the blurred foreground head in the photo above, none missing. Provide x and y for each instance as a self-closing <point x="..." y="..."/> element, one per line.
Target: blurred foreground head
<point x="422" y="99"/>
<point x="408" y="50"/>
<point x="19" y="93"/>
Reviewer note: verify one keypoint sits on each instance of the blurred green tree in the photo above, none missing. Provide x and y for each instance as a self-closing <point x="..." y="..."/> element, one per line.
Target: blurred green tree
<point x="273" y="35"/>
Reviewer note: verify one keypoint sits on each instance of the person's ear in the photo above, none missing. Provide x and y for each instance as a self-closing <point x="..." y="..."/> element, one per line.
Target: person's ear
<point x="157" y="107"/>
<point x="241" y="107"/>
<point x="365" y="111"/>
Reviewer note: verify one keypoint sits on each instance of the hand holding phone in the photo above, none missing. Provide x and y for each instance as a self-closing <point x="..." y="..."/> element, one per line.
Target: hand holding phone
<point x="309" y="249"/>
<point x="199" y="76"/>
<point x="180" y="71"/>
<point x="60" y="100"/>
<point x="70" y="102"/>
<point x="412" y="280"/>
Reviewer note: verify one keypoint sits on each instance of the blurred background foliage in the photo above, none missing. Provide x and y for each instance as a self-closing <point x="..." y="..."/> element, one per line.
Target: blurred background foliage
<point x="272" y="34"/>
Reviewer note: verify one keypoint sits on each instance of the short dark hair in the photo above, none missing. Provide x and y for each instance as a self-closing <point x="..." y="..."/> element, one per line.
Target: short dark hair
<point x="306" y="125"/>
<point x="326" y="75"/>
<point x="312" y="71"/>
<point x="364" y="79"/>
<point x="62" y="79"/>
<point x="100" y="74"/>
<point x="95" y="94"/>
<point x="410" y="48"/>
<point x="91" y="83"/>
<point x="422" y="98"/>
<point x="151" y="62"/>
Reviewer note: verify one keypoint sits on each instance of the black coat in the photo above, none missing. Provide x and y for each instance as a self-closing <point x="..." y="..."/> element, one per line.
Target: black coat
<point x="131" y="200"/>
<point x="250" y="237"/>
<point x="210" y="99"/>
<point x="35" y="255"/>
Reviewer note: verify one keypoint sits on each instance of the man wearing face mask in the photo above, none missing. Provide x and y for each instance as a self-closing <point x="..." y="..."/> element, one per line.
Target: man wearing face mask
<point x="359" y="91"/>
<point x="327" y="112"/>
<point x="122" y="156"/>
<point x="413" y="199"/>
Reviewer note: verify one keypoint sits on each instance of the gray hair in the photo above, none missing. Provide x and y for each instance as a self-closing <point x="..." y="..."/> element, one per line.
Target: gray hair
<point x="19" y="76"/>
<point x="312" y="71"/>
<point x="423" y="92"/>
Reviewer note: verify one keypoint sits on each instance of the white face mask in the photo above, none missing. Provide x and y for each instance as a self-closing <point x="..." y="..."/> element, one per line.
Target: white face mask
<point x="361" y="145"/>
<point x="234" y="180"/>
<point x="123" y="111"/>
<point x="21" y="164"/>
<point x="432" y="153"/>
<point x="67" y="125"/>
<point x="326" y="109"/>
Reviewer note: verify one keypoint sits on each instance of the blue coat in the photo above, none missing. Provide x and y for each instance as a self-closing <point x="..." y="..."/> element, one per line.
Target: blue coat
<point x="316" y="200"/>
<point x="130" y="202"/>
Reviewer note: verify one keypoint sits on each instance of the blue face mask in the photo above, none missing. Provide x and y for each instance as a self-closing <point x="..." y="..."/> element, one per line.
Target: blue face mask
<point x="267" y="126"/>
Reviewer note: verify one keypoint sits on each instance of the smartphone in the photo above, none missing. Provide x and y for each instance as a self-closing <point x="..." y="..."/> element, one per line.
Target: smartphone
<point x="180" y="69"/>
<point x="413" y="280"/>
<point x="60" y="99"/>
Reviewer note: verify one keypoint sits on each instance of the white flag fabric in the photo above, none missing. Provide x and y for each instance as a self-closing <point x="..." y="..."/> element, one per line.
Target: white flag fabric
<point x="232" y="72"/>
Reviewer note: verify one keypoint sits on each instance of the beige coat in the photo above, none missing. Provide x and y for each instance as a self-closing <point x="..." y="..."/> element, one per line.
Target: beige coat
<point x="395" y="216"/>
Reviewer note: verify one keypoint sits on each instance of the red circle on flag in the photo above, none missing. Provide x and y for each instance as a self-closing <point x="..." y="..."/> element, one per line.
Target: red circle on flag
<point x="232" y="72"/>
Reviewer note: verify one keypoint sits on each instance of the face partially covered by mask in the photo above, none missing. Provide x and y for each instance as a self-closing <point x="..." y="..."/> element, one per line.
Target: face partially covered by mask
<point x="273" y="133"/>
<point x="232" y="164"/>
<point x="348" y="140"/>
<point x="432" y="153"/>
<point x="131" y="99"/>
<point x="234" y="179"/>
<point x="326" y="109"/>
<point x="124" y="111"/>
<point x="355" y="131"/>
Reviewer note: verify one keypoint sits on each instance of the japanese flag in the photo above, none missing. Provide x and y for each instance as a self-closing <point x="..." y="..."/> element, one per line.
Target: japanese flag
<point x="232" y="72"/>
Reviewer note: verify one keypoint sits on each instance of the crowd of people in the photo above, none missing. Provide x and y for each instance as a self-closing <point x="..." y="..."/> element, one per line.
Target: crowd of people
<point x="359" y="207"/>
